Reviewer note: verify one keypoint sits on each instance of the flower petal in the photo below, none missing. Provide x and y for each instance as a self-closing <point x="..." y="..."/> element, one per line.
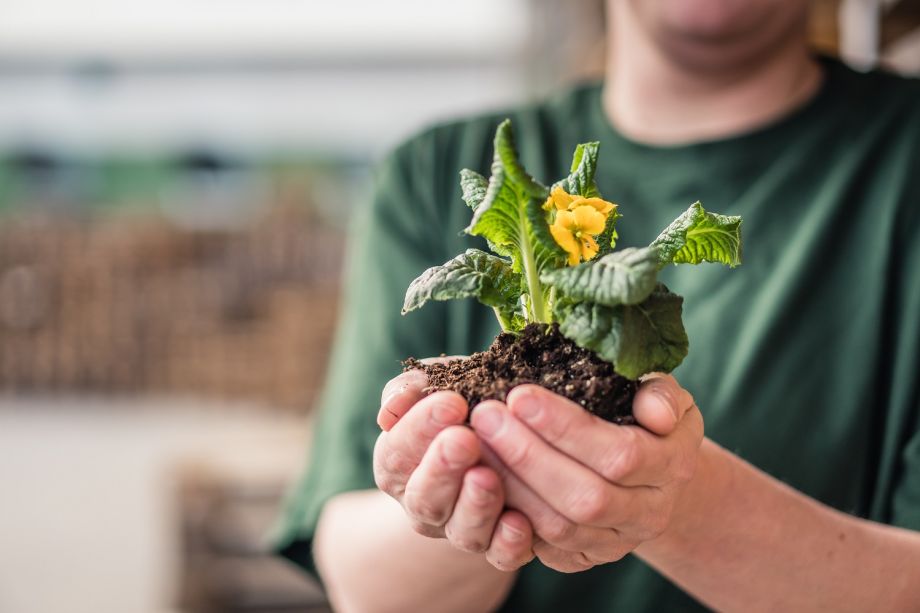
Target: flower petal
<point x="589" y="247"/>
<point x="561" y="198"/>
<point x="565" y="239"/>
<point x="565" y="219"/>
<point x="589" y="220"/>
<point x="602" y="206"/>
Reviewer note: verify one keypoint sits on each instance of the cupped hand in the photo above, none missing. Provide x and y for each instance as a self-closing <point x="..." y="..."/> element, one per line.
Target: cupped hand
<point x="593" y="491"/>
<point x="430" y="462"/>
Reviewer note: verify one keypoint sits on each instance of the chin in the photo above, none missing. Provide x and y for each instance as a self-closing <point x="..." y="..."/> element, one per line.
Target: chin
<point x="707" y="19"/>
<point x="716" y="31"/>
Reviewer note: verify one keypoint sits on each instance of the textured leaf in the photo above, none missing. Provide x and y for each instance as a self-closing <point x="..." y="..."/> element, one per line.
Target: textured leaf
<point x="472" y="274"/>
<point x="510" y="215"/>
<point x="636" y="339"/>
<point x="697" y="236"/>
<point x="474" y="187"/>
<point x="607" y="239"/>
<point x="581" y="177"/>
<point x="506" y="152"/>
<point x="547" y="252"/>
<point x="622" y="277"/>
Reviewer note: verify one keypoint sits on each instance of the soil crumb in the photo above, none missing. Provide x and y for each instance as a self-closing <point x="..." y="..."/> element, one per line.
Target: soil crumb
<point x="539" y="355"/>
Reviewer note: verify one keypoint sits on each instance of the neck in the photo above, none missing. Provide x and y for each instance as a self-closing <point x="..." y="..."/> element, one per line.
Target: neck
<point x="658" y="96"/>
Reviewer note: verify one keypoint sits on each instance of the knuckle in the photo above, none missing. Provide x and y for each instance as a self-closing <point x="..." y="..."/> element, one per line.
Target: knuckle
<point x="480" y="506"/>
<point x="589" y="505"/>
<point x="619" y="552"/>
<point x="422" y="510"/>
<point x="397" y="463"/>
<point x="557" y="529"/>
<point x="622" y="461"/>
<point x="464" y="542"/>
<point x="387" y="482"/>
<point x="583" y="562"/>
<point x="384" y="481"/>
<point x="424" y="529"/>
<point x="565" y="565"/>
<point x="519" y="456"/>
<point x="479" y="519"/>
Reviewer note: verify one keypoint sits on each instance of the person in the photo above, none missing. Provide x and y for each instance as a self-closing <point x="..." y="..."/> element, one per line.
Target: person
<point x="804" y="493"/>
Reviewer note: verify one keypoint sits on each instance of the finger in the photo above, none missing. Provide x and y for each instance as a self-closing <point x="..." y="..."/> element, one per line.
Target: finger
<point x="512" y="542"/>
<point x="398" y="396"/>
<point x="433" y="487"/>
<point x="547" y="523"/>
<point x="661" y="403"/>
<point x="476" y="511"/>
<point x="625" y="455"/>
<point x="577" y="561"/>
<point x="430" y="415"/>
<point x="398" y="452"/>
<point x="561" y="560"/>
<point x="572" y="489"/>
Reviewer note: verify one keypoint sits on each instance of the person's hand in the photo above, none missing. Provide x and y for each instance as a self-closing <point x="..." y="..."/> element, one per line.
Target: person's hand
<point x="593" y="491"/>
<point x="429" y="461"/>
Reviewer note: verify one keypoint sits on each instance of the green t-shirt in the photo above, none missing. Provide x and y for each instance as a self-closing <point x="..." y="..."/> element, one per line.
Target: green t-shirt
<point x="805" y="361"/>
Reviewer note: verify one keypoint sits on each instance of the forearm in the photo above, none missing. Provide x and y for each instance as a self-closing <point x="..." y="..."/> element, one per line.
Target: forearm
<point x="370" y="559"/>
<point x="742" y="541"/>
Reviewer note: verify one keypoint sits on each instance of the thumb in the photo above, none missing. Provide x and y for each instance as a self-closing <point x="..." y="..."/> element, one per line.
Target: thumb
<point x="661" y="403"/>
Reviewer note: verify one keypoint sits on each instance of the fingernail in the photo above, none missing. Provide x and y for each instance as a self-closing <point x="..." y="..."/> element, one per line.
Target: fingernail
<point x="664" y="395"/>
<point x="455" y="454"/>
<point x="527" y="407"/>
<point x="391" y="395"/>
<point x="511" y="534"/>
<point x="444" y="414"/>
<point x="487" y="420"/>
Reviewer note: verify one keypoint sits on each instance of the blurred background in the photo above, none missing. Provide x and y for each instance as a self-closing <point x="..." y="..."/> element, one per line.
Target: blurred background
<point x="175" y="182"/>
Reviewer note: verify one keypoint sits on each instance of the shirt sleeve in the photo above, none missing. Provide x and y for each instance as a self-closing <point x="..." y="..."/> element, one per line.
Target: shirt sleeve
<point x="393" y="240"/>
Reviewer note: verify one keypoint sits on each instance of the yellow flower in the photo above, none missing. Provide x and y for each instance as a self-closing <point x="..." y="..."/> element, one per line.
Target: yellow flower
<point x="574" y="230"/>
<point x="564" y="201"/>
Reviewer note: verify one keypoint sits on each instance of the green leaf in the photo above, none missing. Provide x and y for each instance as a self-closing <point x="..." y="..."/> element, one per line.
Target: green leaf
<point x="622" y="277"/>
<point x="472" y="274"/>
<point x="512" y="219"/>
<point x="506" y="152"/>
<point x="474" y="187"/>
<point x="584" y="166"/>
<point x="607" y="239"/>
<point x="511" y="321"/>
<point x="697" y="236"/>
<point x="636" y="339"/>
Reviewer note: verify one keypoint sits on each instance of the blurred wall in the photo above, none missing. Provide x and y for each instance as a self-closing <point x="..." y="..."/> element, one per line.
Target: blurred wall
<point x="176" y="182"/>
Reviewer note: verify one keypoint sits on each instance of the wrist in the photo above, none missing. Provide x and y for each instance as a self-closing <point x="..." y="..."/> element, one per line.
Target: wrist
<point x="695" y="505"/>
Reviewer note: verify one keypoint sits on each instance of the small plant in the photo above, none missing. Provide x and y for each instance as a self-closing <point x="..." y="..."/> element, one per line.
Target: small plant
<point x="554" y="262"/>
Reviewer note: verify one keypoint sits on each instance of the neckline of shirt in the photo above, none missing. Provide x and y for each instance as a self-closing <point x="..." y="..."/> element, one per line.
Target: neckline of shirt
<point x="780" y="131"/>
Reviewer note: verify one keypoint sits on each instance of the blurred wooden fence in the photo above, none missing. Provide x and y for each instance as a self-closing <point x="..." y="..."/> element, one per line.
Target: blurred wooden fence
<point x="132" y="304"/>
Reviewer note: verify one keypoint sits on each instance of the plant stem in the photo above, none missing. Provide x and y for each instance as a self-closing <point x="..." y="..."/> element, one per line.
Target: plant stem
<point x="534" y="288"/>
<point x="504" y="323"/>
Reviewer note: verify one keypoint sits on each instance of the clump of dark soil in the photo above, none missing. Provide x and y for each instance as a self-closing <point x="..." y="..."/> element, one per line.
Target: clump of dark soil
<point x="539" y="355"/>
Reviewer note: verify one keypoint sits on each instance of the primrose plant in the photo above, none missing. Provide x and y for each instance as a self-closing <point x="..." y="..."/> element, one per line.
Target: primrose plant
<point x="554" y="262"/>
